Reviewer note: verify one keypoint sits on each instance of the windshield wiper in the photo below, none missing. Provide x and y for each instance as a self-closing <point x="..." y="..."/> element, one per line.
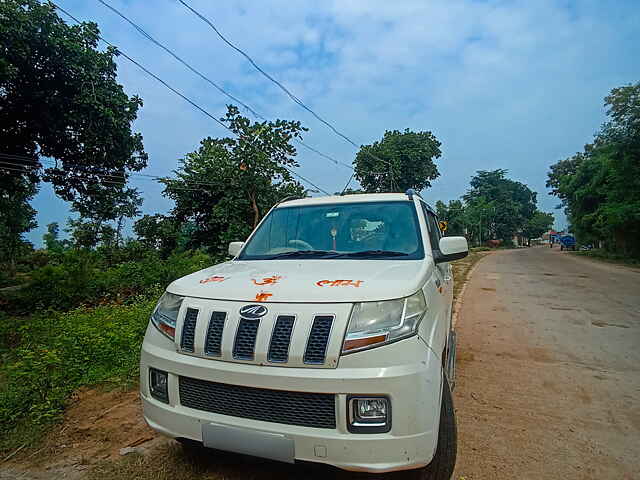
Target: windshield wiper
<point x="305" y="253"/>
<point x="375" y="253"/>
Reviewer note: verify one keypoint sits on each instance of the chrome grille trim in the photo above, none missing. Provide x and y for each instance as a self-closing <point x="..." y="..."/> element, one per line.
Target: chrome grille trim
<point x="316" y="350"/>
<point x="189" y="330"/>
<point x="280" y="341"/>
<point x="245" y="341"/>
<point x="213" y="339"/>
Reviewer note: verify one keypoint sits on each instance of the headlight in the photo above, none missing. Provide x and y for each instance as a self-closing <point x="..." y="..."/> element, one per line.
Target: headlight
<point x="376" y="323"/>
<point x="165" y="315"/>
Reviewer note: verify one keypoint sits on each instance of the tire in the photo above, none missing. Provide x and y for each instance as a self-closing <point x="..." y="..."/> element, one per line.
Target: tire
<point x="444" y="460"/>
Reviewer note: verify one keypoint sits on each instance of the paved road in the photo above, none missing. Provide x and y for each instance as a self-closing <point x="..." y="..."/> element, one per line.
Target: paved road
<point x="549" y="369"/>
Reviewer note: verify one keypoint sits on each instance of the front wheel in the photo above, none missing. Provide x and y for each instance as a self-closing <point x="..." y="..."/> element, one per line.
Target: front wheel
<point x="444" y="460"/>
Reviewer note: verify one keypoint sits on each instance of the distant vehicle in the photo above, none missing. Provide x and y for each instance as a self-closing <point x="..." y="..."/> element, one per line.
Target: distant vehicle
<point x="327" y="338"/>
<point x="567" y="242"/>
<point x="586" y="247"/>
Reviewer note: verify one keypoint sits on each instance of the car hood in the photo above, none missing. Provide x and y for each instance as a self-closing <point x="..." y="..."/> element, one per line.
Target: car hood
<point x="296" y="281"/>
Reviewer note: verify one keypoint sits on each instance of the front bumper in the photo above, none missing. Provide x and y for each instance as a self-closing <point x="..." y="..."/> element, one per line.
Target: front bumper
<point x="407" y="372"/>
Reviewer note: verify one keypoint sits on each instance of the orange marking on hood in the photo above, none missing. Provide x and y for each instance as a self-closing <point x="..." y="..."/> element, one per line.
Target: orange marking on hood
<point x="272" y="280"/>
<point x="263" y="296"/>
<point x="215" y="278"/>
<point x="339" y="283"/>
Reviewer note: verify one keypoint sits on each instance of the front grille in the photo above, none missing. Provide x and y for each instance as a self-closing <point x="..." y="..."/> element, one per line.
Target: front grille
<point x="317" y="343"/>
<point x="245" y="339"/>
<point x="276" y="406"/>
<point x="280" y="339"/>
<point x="213" y="342"/>
<point x="189" y="330"/>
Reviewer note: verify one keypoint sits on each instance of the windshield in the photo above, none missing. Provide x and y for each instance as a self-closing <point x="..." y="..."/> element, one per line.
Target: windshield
<point x="380" y="230"/>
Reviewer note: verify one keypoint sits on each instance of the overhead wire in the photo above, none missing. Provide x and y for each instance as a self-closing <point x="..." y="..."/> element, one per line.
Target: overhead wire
<point x="145" y="34"/>
<point x="276" y="82"/>
<point x="160" y="80"/>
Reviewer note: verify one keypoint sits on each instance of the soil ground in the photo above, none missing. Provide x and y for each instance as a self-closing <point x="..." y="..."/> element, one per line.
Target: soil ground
<point x="548" y="382"/>
<point x="548" y="387"/>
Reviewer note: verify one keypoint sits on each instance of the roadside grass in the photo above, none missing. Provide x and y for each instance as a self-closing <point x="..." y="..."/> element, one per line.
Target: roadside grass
<point x="605" y="256"/>
<point x="58" y="352"/>
<point x="462" y="267"/>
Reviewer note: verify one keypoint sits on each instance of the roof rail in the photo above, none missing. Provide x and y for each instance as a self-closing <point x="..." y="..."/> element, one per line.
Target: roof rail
<point x="411" y="192"/>
<point x="289" y="198"/>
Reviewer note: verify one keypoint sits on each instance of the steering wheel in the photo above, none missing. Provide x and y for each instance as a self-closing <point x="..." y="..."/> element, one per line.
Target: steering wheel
<point x="300" y="244"/>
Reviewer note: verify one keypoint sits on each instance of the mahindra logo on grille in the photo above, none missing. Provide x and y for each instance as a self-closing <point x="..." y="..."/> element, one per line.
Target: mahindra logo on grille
<point x="253" y="311"/>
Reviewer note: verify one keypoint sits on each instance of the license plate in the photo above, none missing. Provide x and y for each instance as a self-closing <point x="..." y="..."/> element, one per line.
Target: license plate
<point x="249" y="442"/>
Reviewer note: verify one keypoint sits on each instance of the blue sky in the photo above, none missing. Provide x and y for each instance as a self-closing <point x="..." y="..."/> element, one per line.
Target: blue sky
<point x="502" y="84"/>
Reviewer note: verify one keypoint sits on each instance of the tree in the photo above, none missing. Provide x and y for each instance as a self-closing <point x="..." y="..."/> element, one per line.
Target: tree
<point x="500" y="205"/>
<point x="454" y="215"/>
<point x="539" y="223"/>
<point x="16" y="218"/>
<point x="159" y="232"/>
<point x="60" y="100"/>
<point x="225" y="187"/>
<point x="401" y="160"/>
<point x="51" y="239"/>
<point x="600" y="187"/>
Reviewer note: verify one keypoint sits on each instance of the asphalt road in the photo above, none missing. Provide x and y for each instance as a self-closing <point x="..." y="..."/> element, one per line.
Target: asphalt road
<point x="548" y="379"/>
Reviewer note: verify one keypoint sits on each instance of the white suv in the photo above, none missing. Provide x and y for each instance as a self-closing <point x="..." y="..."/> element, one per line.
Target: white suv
<point x="327" y="338"/>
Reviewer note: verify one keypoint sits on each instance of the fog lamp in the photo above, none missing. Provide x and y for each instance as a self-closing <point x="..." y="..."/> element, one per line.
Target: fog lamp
<point x="369" y="414"/>
<point x="158" y="385"/>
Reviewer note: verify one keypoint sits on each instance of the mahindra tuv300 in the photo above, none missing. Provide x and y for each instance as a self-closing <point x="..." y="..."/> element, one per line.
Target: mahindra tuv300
<point x="327" y="338"/>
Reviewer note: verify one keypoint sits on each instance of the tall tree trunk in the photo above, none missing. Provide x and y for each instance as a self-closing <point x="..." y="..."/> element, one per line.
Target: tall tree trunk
<point x="256" y="211"/>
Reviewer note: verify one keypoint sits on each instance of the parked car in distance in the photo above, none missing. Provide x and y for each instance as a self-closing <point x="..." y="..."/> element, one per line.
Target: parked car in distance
<point x="326" y="338"/>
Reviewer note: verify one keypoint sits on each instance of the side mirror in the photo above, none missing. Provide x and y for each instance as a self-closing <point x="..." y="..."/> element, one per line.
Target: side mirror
<point x="451" y="248"/>
<point x="234" y="248"/>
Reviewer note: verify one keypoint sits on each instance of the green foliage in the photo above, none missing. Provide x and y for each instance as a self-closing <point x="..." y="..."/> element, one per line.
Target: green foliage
<point x="83" y="278"/>
<point x="158" y="232"/>
<point x="454" y="215"/>
<point x="225" y="187"/>
<point x="59" y="352"/>
<point x="406" y="160"/>
<point x="16" y="217"/>
<point x="600" y="187"/>
<point x="498" y="207"/>
<point x="539" y="223"/>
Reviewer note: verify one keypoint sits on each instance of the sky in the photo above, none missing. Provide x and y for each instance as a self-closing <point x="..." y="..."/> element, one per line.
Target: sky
<point x="516" y="85"/>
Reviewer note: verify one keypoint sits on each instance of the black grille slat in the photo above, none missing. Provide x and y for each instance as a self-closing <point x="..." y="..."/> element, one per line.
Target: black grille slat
<point x="315" y="352"/>
<point x="189" y="330"/>
<point x="245" y="342"/>
<point x="276" y="406"/>
<point x="213" y="342"/>
<point x="280" y="339"/>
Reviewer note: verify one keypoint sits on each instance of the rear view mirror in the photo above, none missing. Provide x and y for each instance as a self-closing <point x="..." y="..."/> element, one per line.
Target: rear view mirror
<point x="451" y="248"/>
<point x="234" y="248"/>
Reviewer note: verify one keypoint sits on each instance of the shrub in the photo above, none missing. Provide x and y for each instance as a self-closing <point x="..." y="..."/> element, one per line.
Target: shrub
<point x="82" y="278"/>
<point x="60" y="352"/>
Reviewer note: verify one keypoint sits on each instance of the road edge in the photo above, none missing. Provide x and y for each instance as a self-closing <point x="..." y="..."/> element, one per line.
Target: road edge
<point x="458" y="305"/>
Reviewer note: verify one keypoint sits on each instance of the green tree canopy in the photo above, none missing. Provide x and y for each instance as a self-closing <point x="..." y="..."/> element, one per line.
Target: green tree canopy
<point x="600" y="187"/>
<point x="401" y="160"/>
<point x="225" y="187"/>
<point x="500" y="206"/>
<point x="60" y="100"/>
<point x="454" y="215"/>
<point x="538" y="224"/>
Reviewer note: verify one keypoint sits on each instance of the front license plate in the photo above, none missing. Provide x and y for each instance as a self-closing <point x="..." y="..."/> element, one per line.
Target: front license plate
<point x="249" y="442"/>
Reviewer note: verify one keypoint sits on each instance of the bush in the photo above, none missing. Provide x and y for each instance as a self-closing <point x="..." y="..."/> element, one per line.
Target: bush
<point x="60" y="352"/>
<point x="82" y="279"/>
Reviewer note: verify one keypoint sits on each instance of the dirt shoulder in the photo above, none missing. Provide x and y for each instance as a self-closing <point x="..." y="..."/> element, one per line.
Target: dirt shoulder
<point x="548" y="383"/>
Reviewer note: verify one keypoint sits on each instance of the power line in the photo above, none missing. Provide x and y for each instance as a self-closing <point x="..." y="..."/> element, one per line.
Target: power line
<point x="279" y="84"/>
<point x="207" y="79"/>
<point x="181" y="95"/>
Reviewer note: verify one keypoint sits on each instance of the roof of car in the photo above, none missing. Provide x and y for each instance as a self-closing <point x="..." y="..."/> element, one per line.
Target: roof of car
<point x="354" y="198"/>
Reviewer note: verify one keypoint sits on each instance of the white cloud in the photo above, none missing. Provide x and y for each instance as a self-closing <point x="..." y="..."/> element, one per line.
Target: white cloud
<point x="514" y="85"/>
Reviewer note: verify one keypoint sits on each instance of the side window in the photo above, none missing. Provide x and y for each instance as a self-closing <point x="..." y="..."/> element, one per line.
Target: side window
<point x="432" y="226"/>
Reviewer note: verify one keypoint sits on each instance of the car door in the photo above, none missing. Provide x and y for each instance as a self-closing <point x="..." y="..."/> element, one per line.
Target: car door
<point x="444" y="277"/>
